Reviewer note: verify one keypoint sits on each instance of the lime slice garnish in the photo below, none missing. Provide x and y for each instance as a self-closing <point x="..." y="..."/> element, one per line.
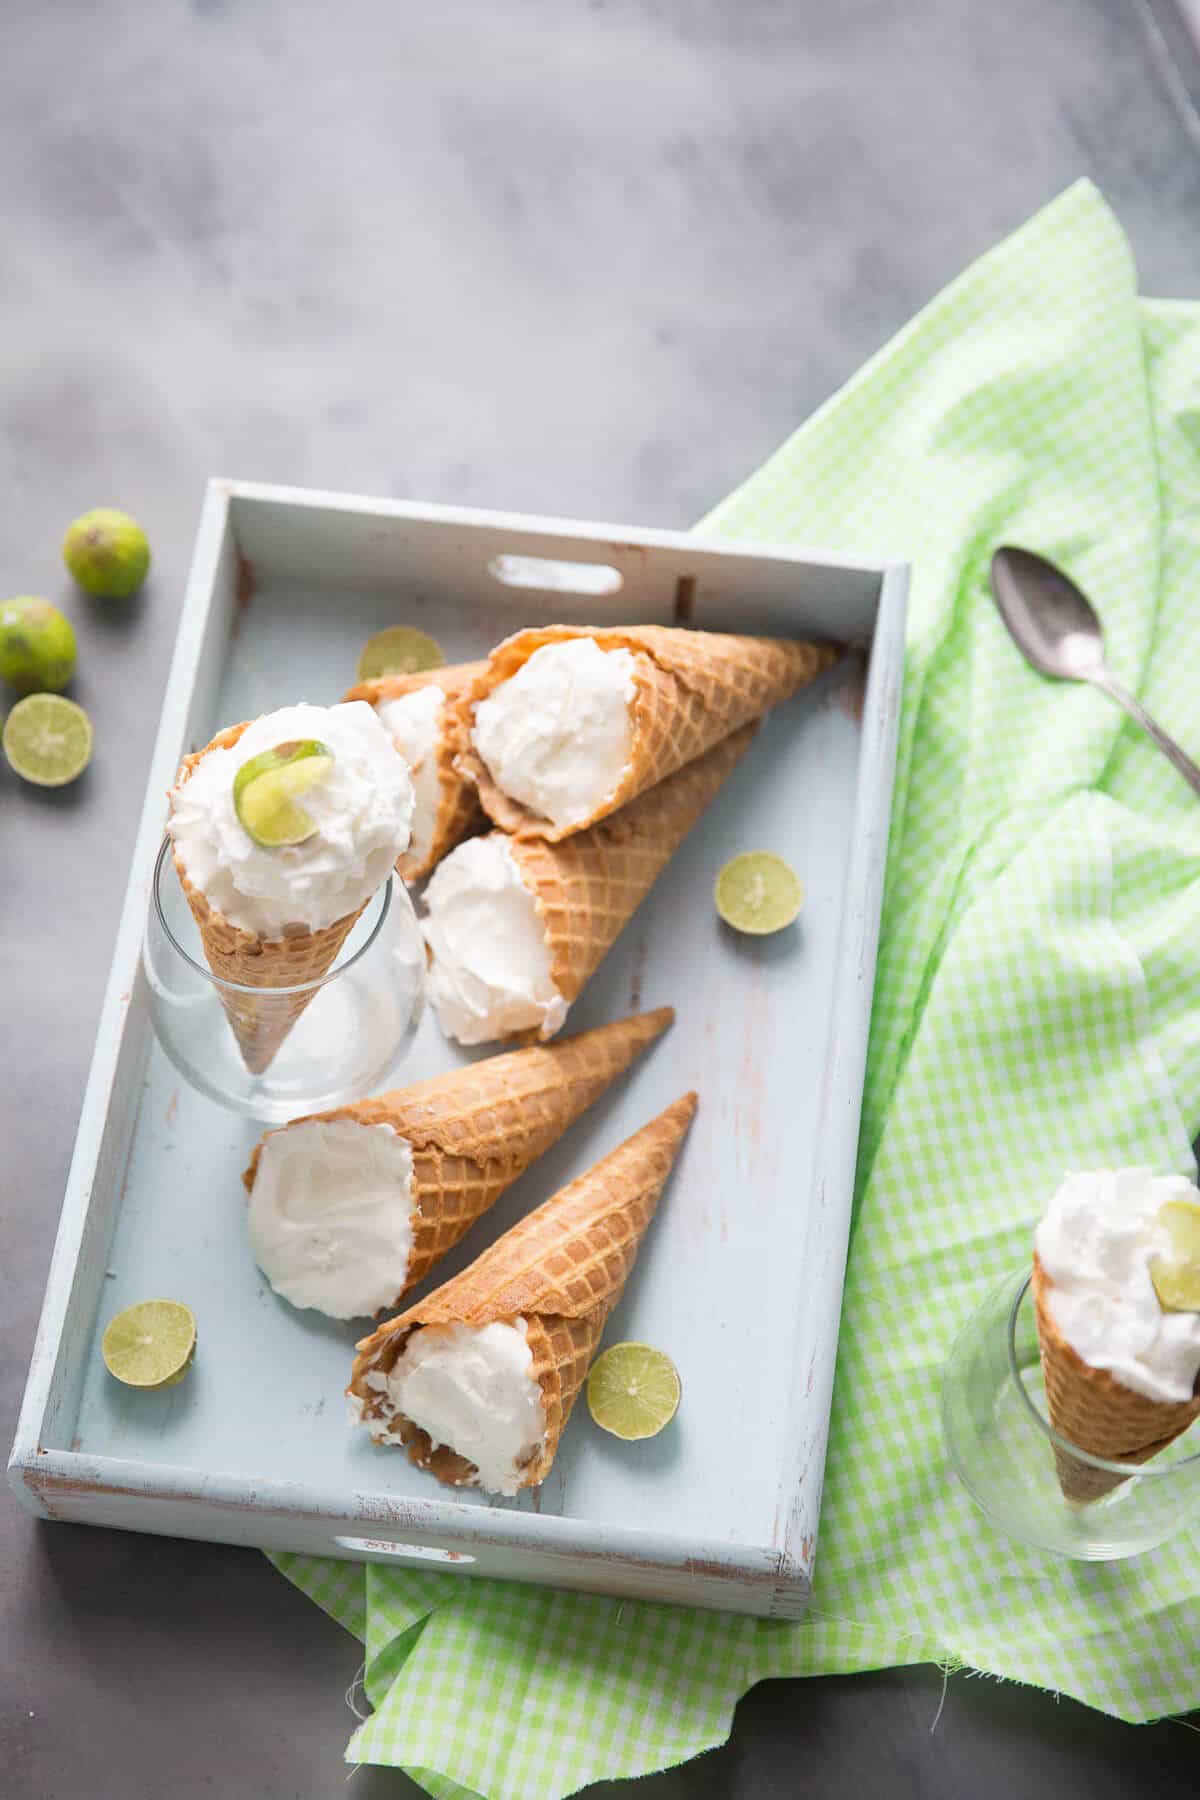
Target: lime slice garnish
<point x="107" y="553"/>
<point x="633" y="1391"/>
<point x="758" y="892"/>
<point x="266" y="786"/>
<point x="400" y="650"/>
<point x="48" y="740"/>
<point x="151" y="1344"/>
<point x="1176" y="1277"/>
<point x="37" y="645"/>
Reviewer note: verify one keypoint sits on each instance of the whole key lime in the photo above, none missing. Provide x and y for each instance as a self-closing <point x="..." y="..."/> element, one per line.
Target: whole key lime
<point x="107" y="552"/>
<point x="37" y="645"/>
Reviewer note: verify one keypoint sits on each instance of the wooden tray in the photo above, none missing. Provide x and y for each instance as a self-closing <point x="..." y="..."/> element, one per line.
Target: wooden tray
<point x="740" y="1278"/>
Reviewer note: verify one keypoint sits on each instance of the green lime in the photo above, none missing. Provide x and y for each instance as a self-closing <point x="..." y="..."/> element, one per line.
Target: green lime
<point x="758" y="893"/>
<point x="107" y="553"/>
<point x="1176" y="1277"/>
<point x="633" y="1391"/>
<point x="400" y="650"/>
<point x="265" y="789"/>
<point x="151" y="1344"/>
<point x="48" y="739"/>
<point x="37" y="645"/>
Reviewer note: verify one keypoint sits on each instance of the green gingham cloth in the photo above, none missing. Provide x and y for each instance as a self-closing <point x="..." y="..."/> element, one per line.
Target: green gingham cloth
<point x="1037" y="1007"/>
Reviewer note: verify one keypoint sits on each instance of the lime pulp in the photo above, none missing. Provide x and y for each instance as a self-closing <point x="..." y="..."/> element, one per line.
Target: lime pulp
<point x="151" y="1344"/>
<point x="1176" y="1276"/>
<point x="400" y="650"/>
<point x="633" y="1391"/>
<point x="267" y="786"/>
<point x="758" y="893"/>
<point x="48" y="739"/>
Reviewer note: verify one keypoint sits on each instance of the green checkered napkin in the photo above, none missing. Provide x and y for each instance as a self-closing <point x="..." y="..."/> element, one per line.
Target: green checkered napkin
<point x="1037" y="1006"/>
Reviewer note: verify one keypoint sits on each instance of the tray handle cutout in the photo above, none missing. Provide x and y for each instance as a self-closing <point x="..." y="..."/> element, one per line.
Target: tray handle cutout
<point x="403" y="1552"/>
<point x="545" y="573"/>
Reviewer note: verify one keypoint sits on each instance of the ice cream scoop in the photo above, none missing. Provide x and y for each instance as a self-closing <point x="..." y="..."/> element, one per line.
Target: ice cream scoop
<point x="424" y="713"/>
<point x="472" y="1390"/>
<point x="557" y="735"/>
<point x="331" y="1217"/>
<point x="490" y="974"/>
<point x="415" y="723"/>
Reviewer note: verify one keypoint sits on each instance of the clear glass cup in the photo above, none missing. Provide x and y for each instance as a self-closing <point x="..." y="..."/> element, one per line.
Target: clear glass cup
<point x="337" y="1035"/>
<point x="1008" y="1457"/>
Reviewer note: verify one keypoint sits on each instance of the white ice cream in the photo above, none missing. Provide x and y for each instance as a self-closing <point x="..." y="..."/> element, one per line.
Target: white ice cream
<point x="415" y="723"/>
<point x="490" y="973"/>
<point x="363" y="812"/>
<point x="472" y="1388"/>
<point x="332" y="1213"/>
<point x="557" y="735"/>
<point x="1096" y="1244"/>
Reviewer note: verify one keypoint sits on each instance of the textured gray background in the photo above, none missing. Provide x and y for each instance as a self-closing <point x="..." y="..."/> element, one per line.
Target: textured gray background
<point x="591" y="259"/>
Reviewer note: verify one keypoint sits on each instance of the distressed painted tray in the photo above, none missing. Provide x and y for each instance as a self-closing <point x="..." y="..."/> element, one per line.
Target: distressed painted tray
<point x="741" y="1275"/>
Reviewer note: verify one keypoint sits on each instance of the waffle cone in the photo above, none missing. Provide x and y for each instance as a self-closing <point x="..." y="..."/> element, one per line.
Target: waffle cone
<point x="562" y="1269"/>
<point x="1097" y="1413"/>
<point x="588" y="886"/>
<point x="458" y="811"/>
<point x="692" y="689"/>
<point x="476" y="1128"/>
<point x="260" y="1023"/>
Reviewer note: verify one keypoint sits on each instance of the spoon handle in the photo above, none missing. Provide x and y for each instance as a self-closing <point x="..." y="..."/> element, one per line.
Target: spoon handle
<point x="1170" y="749"/>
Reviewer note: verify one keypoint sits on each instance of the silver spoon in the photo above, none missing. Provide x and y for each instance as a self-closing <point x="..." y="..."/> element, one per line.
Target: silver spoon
<point x="1056" y="627"/>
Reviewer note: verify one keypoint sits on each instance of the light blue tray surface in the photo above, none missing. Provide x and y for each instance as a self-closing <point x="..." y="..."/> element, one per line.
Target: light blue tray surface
<point x="722" y="1279"/>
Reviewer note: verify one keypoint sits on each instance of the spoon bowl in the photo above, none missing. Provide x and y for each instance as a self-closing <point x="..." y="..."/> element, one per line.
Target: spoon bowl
<point x="1056" y="627"/>
<point x="1051" y="620"/>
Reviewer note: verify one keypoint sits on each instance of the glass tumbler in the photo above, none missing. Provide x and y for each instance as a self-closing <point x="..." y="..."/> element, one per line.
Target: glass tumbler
<point x="275" y="1052"/>
<point x="1010" y="1459"/>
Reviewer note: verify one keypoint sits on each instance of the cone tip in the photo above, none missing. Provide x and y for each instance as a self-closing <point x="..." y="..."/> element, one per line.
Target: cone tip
<point x="656" y="1019"/>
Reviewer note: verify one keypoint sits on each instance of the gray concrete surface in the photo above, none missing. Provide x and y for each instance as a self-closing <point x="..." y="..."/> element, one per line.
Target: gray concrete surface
<point x="593" y="259"/>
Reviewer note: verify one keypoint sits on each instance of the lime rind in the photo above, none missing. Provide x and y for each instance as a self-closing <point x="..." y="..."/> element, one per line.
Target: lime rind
<point x="267" y="787"/>
<point x="150" y="1344"/>
<point x="48" y="740"/>
<point x="400" y="650"/>
<point x="758" y="893"/>
<point x="633" y="1391"/>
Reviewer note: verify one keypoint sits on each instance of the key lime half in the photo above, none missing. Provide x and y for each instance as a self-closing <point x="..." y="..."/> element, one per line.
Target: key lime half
<point x="633" y="1391"/>
<point x="1176" y="1277"/>
<point x="758" y="893"/>
<point x="48" y="739"/>
<point x="151" y="1344"/>
<point x="400" y="650"/>
<point x="266" y="789"/>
